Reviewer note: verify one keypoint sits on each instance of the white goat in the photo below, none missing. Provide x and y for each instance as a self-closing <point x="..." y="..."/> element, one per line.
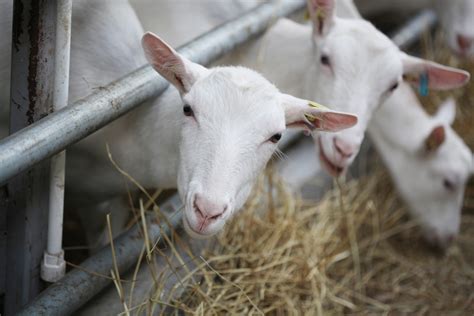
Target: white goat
<point x="343" y="62"/>
<point x="428" y="174"/>
<point x="457" y="19"/>
<point x="428" y="161"/>
<point x="209" y="136"/>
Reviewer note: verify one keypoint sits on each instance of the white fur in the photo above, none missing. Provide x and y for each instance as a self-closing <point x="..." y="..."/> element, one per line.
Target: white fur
<point x="212" y="158"/>
<point x="398" y="131"/>
<point x="364" y="66"/>
<point x="195" y="16"/>
<point x="289" y="57"/>
<point x="457" y="19"/>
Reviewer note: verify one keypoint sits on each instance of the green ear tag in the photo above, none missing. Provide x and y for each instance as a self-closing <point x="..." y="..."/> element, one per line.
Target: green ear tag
<point x="424" y="84"/>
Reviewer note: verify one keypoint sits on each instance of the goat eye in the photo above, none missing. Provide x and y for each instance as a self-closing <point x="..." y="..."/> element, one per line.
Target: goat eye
<point x="187" y="110"/>
<point x="393" y="87"/>
<point x="325" y="60"/>
<point x="449" y="185"/>
<point x="275" y="138"/>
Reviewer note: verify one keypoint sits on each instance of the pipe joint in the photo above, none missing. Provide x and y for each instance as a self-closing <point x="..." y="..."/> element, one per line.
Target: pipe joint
<point x="53" y="267"/>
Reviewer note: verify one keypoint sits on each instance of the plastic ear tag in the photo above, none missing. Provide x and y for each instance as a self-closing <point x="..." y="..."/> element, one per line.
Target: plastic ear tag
<point x="311" y="118"/>
<point x="317" y="105"/>
<point x="320" y="13"/>
<point x="424" y="84"/>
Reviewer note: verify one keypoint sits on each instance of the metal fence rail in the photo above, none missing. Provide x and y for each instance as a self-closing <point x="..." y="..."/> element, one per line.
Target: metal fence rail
<point x="77" y="287"/>
<point x="55" y="132"/>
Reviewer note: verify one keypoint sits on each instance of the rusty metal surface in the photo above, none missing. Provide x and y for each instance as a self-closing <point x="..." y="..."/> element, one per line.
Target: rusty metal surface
<point x="26" y="196"/>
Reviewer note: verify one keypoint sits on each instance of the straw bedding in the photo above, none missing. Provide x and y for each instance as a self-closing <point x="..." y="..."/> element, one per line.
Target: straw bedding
<point x="354" y="252"/>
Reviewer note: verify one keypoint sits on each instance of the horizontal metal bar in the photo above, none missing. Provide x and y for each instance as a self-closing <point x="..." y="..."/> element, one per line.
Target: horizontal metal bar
<point x="55" y="132"/>
<point x="411" y="32"/>
<point x="78" y="287"/>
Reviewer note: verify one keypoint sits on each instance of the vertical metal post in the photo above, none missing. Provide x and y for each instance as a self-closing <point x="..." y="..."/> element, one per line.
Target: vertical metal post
<point x="32" y="70"/>
<point x="3" y="244"/>
<point x="54" y="266"/>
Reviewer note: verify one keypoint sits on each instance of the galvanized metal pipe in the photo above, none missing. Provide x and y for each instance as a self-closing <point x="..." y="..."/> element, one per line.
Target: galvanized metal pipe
<point x="77" y="287"/>
<point x="410" y="33"/>
<point x="80" y="285"/>
<point x="52" y="134"/>
<point x="53" y="266"/>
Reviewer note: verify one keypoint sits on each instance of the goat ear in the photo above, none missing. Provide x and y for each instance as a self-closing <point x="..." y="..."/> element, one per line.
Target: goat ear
<point x="322" y="14"/>
<point x="437" y="77"/>
<point x="447" y="111"/>
<point x="435" y="139"/>
<point x="175" y="68"/>
<point x="311" y="116"/>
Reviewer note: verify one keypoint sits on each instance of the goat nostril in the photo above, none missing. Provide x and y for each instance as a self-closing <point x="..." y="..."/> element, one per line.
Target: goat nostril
<point x="215" y="216"/>
<point x="342" y="148"/>
<point x="197" y="210"/>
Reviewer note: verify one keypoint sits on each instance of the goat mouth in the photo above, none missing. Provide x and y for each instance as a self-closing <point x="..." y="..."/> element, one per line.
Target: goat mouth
<point x="194" y="233"/>
<point x="333" y="169"/>
<point x="190" y="229"/>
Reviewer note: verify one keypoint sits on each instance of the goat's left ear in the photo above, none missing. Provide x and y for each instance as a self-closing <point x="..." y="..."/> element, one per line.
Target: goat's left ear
<point x="177" y="69"/>
<point x="436" y="76"/>
<point x="311" y="116"/>
<point x="447" y="111"/>
<point x="322" y="14"/>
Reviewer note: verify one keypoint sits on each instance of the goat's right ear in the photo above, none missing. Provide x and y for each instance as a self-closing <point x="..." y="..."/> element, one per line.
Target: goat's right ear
<point x="322" y="14"/>
<point x="310" y="116"/>
<point x="175" y="68"/>
<point x="437" y="76"/>
<point x="435" y="139"/>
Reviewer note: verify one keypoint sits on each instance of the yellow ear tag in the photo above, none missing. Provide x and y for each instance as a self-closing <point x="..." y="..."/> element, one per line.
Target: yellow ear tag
<point x="307" y="16"/>
<point x="317" y="105"/>
<point x="320" y="14"/>
<point x="310" y="117"/>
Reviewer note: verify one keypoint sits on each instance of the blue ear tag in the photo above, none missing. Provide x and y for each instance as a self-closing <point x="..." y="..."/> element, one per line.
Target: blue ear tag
<point x="424" y="84"/>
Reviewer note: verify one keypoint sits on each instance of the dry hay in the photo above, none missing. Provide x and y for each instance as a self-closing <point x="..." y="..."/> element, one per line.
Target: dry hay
<point x="301" y="258"/>
<point x="354" y="252"/>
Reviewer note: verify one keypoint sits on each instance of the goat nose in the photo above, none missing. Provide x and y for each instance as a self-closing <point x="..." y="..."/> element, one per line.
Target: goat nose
<point x="464" y="42"/>
<point x="344" y="148"/>
<point x="207" y="210"/>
